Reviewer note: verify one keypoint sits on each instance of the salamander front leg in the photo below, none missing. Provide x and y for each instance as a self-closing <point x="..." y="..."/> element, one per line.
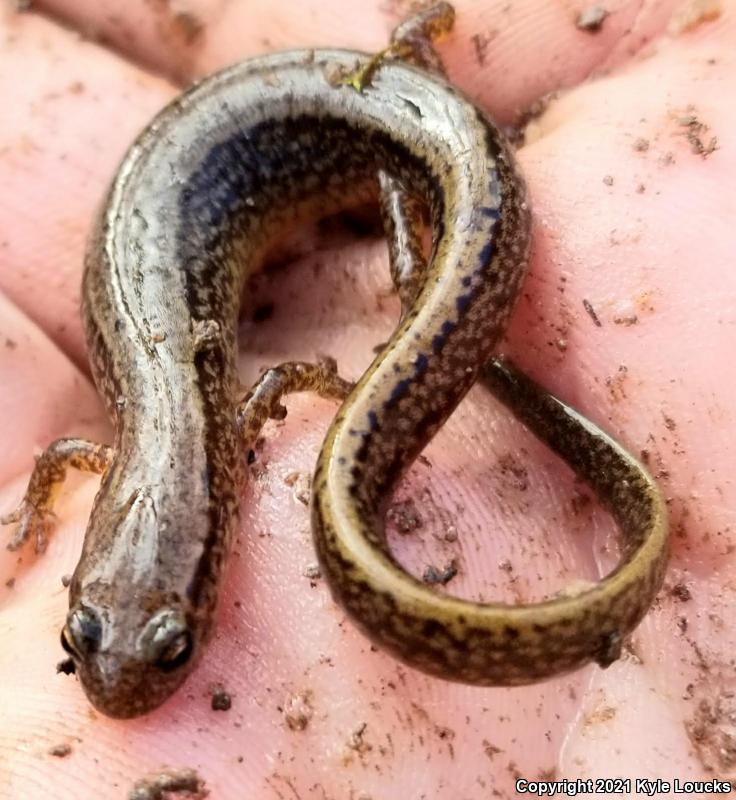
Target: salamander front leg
<point x="35" y="510"/>
<point x="263" y="401"/>
<point x="411" y="41"/>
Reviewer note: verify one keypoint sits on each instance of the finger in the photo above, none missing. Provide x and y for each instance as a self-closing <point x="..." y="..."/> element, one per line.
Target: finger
<point x="73" y="115"/>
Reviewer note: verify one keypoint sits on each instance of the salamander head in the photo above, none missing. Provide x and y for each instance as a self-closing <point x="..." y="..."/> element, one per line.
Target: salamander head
<point x="129" y="670"/>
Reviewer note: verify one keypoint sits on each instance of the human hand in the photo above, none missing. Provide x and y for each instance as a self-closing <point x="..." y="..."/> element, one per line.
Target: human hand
<point x="492" y="498"/>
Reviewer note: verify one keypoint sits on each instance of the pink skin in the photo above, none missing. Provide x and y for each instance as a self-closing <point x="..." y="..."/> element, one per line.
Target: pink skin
<point x="663" y="253"/>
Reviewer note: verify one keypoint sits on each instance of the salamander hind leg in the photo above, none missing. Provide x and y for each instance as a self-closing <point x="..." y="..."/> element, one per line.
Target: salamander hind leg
<point x="263" y="401"/>
<point x="34" y="513"/>
<point x="403" y="223"/>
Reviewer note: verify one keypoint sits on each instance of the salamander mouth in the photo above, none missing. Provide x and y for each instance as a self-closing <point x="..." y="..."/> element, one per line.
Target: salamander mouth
<point x="129" y="689"/>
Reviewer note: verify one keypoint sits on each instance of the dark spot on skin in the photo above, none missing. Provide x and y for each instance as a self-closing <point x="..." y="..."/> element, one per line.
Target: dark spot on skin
<point x="421" y="363"/>
<point x="486" y="254"/>
<point x="373" y="421"/>
<point x="511" y="632"/>
<point x="401" y="388"/>
<point x="119" y="325"/>
<point x="467" y="280"/>
<point x="251" y="457"/>
<point x="462" y="302"/>
<point x="491" y="212"/>
<point x="431" y="627"/>
<point x="263" y="312"/>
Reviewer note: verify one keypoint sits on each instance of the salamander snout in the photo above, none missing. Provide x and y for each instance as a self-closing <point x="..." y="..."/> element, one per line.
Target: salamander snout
<point x="125" y="672"/>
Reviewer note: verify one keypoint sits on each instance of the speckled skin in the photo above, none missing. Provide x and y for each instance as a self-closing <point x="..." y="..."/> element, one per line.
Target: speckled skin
<point x="200" y="195"/>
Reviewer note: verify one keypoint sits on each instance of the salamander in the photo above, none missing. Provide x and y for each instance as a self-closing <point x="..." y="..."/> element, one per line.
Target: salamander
<point x="217" y="176"/>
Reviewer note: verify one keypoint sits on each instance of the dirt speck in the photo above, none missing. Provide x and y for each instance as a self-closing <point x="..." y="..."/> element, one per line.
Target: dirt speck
<point x="511" y="468"/>
<point x="608" y="180"/>
<point x="221" y="698"/>
<point x="694" y="131"/>
<point x="641" y="145"/>
<point x="404" y="516"/>
<point x="481" y="41"/>
<point x="616" y="384"/>
<point x="591" y="313"/>
<point x="591" y="19"/>
<point x="357" y="740"/>
<point x="301" y="483"/>
<point x="161" y="785"/>
<point x="60" y="750"/>
<point x="681" y="592"/>
<point x="490" y="749"/>
<point x="66" y="667"/>
<point x="433" y="575"/>
<point x="599" y="715"/>
<point x="298" y="710"/>
<point x="712" y="727"/>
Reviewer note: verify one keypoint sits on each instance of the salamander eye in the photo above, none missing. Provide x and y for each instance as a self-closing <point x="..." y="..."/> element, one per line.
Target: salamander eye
<point x="82" y="633"/>
<point x="167" y="641"/>
<point x="65" y="643"/>
<point x="176" y="653"/>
